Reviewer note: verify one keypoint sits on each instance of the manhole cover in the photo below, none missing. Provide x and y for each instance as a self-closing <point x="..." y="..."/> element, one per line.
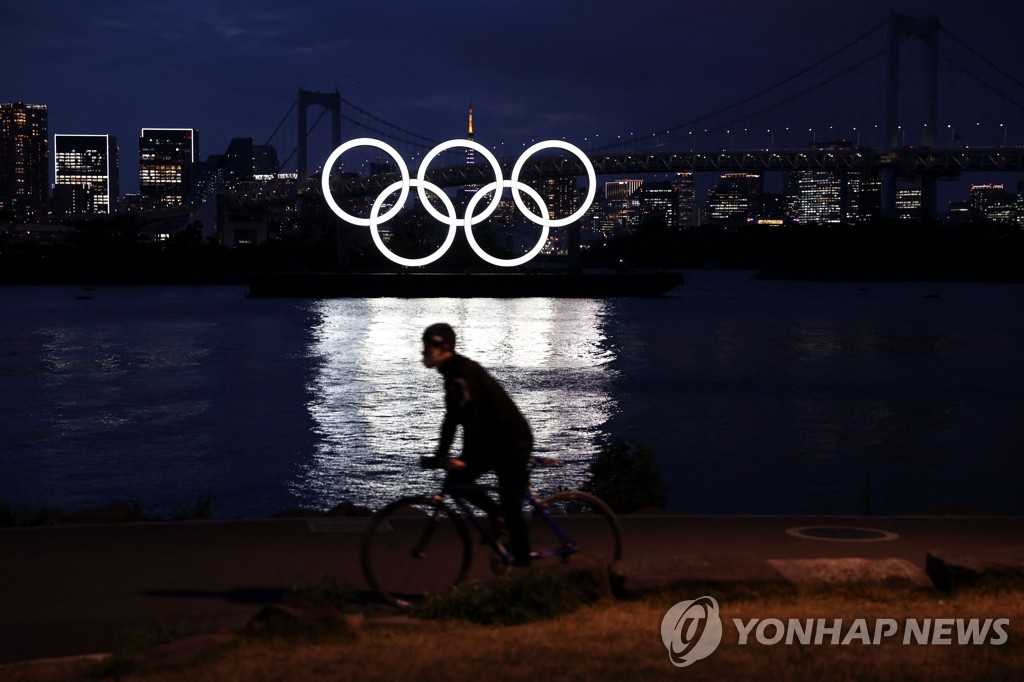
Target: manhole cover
<point x="842" y="533"/>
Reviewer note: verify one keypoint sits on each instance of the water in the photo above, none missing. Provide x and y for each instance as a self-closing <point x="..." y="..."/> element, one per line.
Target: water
<point x="756" y="396"/>
<point x="802" y="397"/>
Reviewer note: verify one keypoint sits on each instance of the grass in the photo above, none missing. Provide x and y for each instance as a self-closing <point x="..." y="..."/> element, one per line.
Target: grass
<point x="524" y="598"/>
<point x="611" y="640"/>
<point x="133" y="645"/>
<point x="202" y="509"/>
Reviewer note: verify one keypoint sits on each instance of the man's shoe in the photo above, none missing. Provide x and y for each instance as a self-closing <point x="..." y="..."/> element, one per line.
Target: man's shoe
<point x="521" y="562"/>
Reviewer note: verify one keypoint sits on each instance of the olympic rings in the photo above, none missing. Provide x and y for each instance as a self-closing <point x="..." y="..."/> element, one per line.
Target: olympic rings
<point x="325" y="179"/>
<point x="421" y="175"/>
<point x="511" y="262"/>
<point x="591" y="178"/>
<point x="422" y="186"/>
<point x="453" y="224"/>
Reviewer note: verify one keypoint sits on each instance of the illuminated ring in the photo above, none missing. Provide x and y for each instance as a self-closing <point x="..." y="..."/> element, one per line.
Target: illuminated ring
<point x="516" y="184"/>
<point x="374" y="221"/>
<point x="509" y="262"/>
<point x="325" y="180"/>
<point x="421" y="175"/>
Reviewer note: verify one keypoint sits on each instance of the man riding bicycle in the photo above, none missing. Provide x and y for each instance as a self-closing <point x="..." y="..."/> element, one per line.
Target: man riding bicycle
<point x="495" y="436"/>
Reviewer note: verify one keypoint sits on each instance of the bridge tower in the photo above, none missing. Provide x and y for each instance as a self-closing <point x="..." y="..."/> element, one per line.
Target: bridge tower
<point x="332" y="102"/>
<point x="927" y="29"/>
<point x="328" y="100"/>
<point x="900" y="27"/>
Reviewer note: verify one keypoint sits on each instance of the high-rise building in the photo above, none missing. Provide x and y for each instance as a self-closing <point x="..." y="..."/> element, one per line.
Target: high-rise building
<point x="86" y="166"/>
<point x="242" y="163"/>
<point x="1019" y="205"/>
<point x="658" y="201"/>
<point x="167" y="161"/>
<point x="736" y="198"/>
<point x="991" y="202"/>
<point x="1003" y="211"/>
<point x="24" y="162"/>
<point x="908" y="202"/>
<point x="820" y="197"/>
<point x="985" y="196"/>
<point x="686" y="198"/>
<point x="558" y="194"/>
<point x="847" y="196"/>
<point x="959" y="212"/>
<point x="621" y="206"/>
<point x="861" y="196"/>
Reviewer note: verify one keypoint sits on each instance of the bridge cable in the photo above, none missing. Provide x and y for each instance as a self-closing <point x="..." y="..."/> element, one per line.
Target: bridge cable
<point x="382" y="133"/>
<point x="820" y="84"/>
<point x="295" y="103"/>
<point x="774" y="86"/>
<point x="431" y="142"/>
<point x="998" y="91"/>
<point x="982" y="57"/>
<point x="309" y="130"/>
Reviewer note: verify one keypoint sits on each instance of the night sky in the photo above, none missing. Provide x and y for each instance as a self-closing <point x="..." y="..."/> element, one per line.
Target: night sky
<point x="588" y="72"/>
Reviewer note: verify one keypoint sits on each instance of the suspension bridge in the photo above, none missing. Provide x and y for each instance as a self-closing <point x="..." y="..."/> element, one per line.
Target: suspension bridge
<point x="890" y="90"/>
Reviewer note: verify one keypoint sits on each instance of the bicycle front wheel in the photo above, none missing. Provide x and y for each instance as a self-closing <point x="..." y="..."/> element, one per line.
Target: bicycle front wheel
<point x="582" y="524"/>
<point x="413" y="547"/>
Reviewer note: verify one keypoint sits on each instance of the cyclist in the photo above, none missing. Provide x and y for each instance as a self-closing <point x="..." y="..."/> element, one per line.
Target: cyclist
<point x="495" y="436"/>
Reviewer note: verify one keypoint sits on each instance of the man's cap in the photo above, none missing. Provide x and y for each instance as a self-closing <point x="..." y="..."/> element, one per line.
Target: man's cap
<point x="440" y="334"/>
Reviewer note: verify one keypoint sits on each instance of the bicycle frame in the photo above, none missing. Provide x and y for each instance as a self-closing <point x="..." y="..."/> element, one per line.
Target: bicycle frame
<point x="394" y="570"/>
<point x="567" y="548"/>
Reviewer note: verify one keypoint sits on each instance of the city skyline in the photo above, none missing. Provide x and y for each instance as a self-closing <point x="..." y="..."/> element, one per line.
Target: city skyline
<point x="532" y="70"/>
<point x="171" y="174"/>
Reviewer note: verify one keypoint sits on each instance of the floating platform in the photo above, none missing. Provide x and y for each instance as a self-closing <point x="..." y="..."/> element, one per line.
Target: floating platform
<point x="463" y="285"/>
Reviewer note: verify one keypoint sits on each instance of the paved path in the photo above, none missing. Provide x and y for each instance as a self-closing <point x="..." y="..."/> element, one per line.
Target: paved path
<point x="70" y="590"/>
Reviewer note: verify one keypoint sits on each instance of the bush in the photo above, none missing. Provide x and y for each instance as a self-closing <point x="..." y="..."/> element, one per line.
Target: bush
<point x="512" y="600"/>
<point x="623" y="475"/>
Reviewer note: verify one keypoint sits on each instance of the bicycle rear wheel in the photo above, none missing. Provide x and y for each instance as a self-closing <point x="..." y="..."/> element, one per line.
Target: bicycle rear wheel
<point x="589" y="525"/>
<point x="413" y="547"/>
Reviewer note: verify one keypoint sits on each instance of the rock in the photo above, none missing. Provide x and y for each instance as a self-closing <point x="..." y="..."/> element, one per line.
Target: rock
<point x="952" y="570"/>
<point x="349" y="509"/>
<point x="186" y="649"/>
<point x="296" y="613"/>
<point x="889" y="572"/>
<point x="637" y="576"/>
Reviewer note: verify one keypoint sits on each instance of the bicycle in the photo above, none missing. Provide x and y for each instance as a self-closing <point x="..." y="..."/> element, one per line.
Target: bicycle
<point x="419" y="545"/>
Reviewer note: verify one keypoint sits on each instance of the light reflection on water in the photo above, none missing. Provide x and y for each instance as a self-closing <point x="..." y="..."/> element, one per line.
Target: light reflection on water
<point x="376" y="409"/>
<point x="756" y="396"/>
